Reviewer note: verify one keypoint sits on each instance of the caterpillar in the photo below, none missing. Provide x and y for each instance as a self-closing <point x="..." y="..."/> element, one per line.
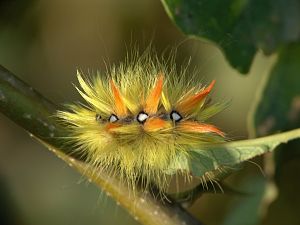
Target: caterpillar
<point x="139" y="116"/>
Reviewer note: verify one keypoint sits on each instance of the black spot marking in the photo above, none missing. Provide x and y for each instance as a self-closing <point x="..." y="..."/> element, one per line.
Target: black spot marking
<point x="98" y="117"/>
<point x="142" y="117"/>
<point x="175" y="116"/>
<point x="113" y="118"/>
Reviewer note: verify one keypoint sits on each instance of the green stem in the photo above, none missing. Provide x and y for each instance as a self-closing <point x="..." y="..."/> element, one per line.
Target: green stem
<point x="29" y="109"/>
<point x="142" y="206"/>
<point x="276" y="139"/>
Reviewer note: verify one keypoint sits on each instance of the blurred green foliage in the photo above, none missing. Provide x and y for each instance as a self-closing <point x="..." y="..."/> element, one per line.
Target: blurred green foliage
<point x="239" y="27"/>
<point x="279" y="110"/>
<point x="12" y="11"/>
<point x="9" y="213"/>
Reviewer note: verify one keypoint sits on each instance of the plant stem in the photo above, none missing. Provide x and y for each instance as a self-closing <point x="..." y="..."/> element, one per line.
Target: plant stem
<point x="141" y="205"/>
<point x="29" y="109"/>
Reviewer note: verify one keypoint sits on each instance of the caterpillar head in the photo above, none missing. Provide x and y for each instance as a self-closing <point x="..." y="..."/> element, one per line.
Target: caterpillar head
<point x="137" y="121"/>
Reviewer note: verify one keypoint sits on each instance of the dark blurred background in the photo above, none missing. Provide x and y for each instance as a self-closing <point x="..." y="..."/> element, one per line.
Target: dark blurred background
<point x="44" y="42"/>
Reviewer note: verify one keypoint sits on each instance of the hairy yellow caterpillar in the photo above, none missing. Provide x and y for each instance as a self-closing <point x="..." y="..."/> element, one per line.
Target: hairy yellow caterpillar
<point x="139" y="117"/>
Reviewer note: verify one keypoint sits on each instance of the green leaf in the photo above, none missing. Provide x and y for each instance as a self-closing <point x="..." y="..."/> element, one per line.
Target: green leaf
<point x="233" y="153"/>
<point x="278" y="109"/>
<point x="239" y="27"/>
<point x="285" y="208"/>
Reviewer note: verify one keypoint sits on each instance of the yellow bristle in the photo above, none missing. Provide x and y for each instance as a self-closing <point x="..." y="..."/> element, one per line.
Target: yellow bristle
<point x="139" y="118"/>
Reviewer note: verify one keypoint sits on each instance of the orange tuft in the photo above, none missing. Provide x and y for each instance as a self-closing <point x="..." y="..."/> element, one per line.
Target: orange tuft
<point x="154" y="97"/>
<point x="154" y="124"/>
<point x="190" y="126"/>
<point x="189" y="103"/>
<point x="110" y="126"/>
<point x="120" y="107"/>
